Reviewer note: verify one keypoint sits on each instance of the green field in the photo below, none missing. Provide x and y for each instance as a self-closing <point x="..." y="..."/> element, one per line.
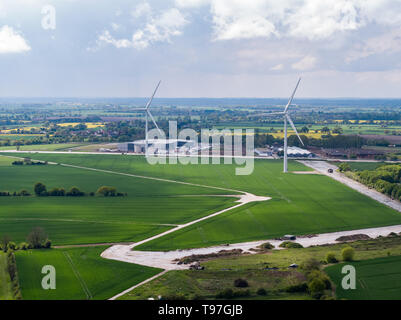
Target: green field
<point x="149" y="208"/>
<point x="80" y="274"/>
<point x="5" y="281"/>
<point x="376" y="279"/>
<point x="45" y="147"/>
<point x="301" y="204"/>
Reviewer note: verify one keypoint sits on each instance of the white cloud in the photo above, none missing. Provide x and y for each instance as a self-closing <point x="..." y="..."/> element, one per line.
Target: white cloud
<point x="237" y="19"/>
<point x="306" y="63"/>
<point x="320" y="19"/>
<point x="115" y="26"/>
<point x="305" y="19"/>
<point x="191" y="3"/>
<point x="12" y="41"/>
<point x="387" y="43"/>
<point x="142" y="9"/>
<point x="159" y="28"/>
<point x="277" y="67"/>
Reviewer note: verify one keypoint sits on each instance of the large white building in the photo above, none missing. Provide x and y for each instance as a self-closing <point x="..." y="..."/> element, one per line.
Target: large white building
<point x="158" y="145"/>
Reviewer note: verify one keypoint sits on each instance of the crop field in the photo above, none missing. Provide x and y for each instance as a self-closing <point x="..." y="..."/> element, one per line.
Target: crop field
<point x="5" y="282"/>
<point x="150" y="207"/>
<point x="301" y="204"/>
<point x="376" y="279"/>
<point x="19" y="136"/>
<point x="80" y="273"/>
<point x="353" y="128"/>
<point x="45" y="147"/>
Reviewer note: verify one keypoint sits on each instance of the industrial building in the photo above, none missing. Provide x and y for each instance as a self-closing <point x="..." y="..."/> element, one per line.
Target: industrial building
<point x="159" y="145"/>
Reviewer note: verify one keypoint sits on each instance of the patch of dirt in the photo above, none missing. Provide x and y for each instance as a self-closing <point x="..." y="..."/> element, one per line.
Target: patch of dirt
<point x="307" y="236"/>
<point x="353" y="237"/>
<point x="200" y="257"/>
<point x="305" y="172"/>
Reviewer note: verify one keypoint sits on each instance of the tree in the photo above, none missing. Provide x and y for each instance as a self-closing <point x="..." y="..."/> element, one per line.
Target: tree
<point x="106" y="191"/>
<point x="304" y="129"/>
<point x="347" y="253"/>
<point x="4" y="242"/>
<point x="316" y="286"/>
<point x="331" y="257"/>
<point x="40" y="189"/>
<point x="344" y="166"/>
<point x="240" y="283"/>
<point x="75" y="192"/>
<point x="37" y="238"/>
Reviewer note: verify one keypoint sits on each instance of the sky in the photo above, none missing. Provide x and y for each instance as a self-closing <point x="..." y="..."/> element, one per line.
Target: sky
<point x="200" y="48"/>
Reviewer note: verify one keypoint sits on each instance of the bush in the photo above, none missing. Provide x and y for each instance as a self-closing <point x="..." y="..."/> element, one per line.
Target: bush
<point x="23" y="246"/>
<point x="261" y="292"/>
<point x="316" y="286"/>
<point x="310" y="265"/>
<point x="40" y="189"/>
<point x="290" y="244"/>
<point x="344" y="167"/>
<point x="24" y="193"/>
<point x="75" y="192"/>
<point x="47" y="244"/>
<point x="267" y="246"/>
<point x="240" y="283"/>
<point x="331" y="257"/>
<point x="347" y="253"/>
<point x="242" y="293"/>
<point x="302" y="287"/>
<point x="107" y="191"/>
<point x="12" y="245"/>
<point x="225" y="294"/>
<point x="57" y="192"/>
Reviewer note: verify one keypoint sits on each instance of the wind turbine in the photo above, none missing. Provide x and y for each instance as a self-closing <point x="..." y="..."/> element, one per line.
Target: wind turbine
<point x="149" y="114"/>
<point x="286" y="117"/>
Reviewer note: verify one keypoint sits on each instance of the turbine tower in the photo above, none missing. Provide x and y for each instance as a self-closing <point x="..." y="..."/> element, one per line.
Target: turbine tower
<point x="149" y="114"/>
<point x="287" y="117"/>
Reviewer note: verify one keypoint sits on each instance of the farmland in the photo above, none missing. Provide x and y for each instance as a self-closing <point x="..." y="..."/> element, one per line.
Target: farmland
<point x="301" y="204"/>
<point x="45" y="147"/>
<point x="377" y="279"/>
<point x="5" y="282"/>
<point x="70" y="220"/>
<point x="81" y="274"/>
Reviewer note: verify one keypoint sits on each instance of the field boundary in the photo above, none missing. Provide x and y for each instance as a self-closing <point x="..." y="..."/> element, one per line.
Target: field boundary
<point x="78" y="276"/>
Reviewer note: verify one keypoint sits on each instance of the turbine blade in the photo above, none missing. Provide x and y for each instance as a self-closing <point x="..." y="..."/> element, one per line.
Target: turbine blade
<point x="151" y="98"/>
<point x="292" y="96"/>
<point x="293" y="127"/>
<point x="153" y="120"/>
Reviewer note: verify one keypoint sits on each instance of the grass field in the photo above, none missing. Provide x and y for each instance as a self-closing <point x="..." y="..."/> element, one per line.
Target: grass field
<point x="5" y="281"/>
<point x="15" y="137"/>
<point x="149" y="208"/>
<point x="45" y="147"/>
<point x="80" y="274"/>
<point x="301" y="204"/>
<point x="376" y="279"/>
<point x="207" y="283"/>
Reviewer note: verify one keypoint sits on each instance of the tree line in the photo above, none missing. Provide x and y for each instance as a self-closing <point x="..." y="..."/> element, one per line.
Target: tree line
<point x="385" y="179"/>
